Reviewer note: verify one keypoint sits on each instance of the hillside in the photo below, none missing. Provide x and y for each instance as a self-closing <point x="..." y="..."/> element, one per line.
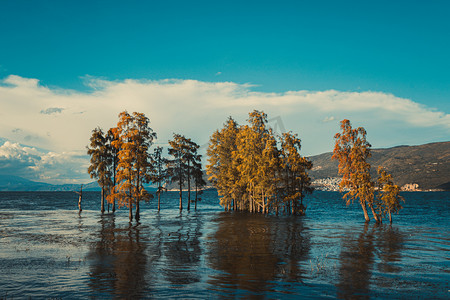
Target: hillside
<point x="15" y="183"/>
<point x="426" y="165"/>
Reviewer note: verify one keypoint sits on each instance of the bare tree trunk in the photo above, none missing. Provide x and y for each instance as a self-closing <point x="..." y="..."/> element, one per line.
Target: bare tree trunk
<point x="196" y="196"/>
<point x="103" y="200"/>
<point x="80" y="197"/>
<point x="366" y="215"/>
<point x="189" y="187"/>
<point x="375" y="215"/>
<point x="138" y="215"/>
<point x="264" y="203"/>
<point x="181" y="197"/>
<point x="159" y="199"/>
<point x="390" y="217"/>
<point x="130" y="213"/>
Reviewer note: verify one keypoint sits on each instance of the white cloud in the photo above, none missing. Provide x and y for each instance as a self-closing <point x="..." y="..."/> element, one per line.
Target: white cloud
<point x="329" y="119"/>
<point x="196" y="109"/>
<point x="43" y="166"/>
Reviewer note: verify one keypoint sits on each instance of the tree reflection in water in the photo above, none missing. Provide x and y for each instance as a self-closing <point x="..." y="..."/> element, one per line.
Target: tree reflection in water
<point x="358" y="257"/>
<point x="253" y="251"/>
<point x="183" y="251"/>
<point x="118" y="260"/>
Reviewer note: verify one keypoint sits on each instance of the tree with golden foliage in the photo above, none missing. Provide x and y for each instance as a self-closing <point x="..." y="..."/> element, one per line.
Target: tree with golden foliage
<point x="134" y="167"/>
<point x="222" y="167"/>
<point x="246" y="166"/>
<point x="296" y="183"/>
<point x="389" y="194"/>
<point x="352" y="150"/>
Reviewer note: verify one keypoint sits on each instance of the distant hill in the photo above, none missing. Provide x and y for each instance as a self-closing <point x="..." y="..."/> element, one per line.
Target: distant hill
<point x="426" y="165"/>
<point x="15" y="183"/>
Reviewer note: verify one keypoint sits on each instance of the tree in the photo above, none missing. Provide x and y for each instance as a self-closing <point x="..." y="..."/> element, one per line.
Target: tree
<point x="352" y="151"/>
<point x="100" y="161"/>
<point x="199" y="182"/>
<point x="113" y="146"/>
<point x="251" y="142"/>
<point x="296" y="182"/>
<point x="134" y="167"/>
<point x="159" y="175"/>
<point x="175" y="166"/>
<point x="247" y="167"/>
<point x="221" y="167"/>
<point x="192" y="162"/>
<point x="389" y="194"/>
<point x="180" y="168"/>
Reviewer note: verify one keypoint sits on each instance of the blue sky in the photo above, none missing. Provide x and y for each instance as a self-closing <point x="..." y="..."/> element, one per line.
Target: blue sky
<point x="394" y="53"/>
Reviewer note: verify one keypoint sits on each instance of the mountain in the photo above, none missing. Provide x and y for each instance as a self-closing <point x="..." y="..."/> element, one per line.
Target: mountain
<point x="16" y="183"/>
<point x="426" y="165"/>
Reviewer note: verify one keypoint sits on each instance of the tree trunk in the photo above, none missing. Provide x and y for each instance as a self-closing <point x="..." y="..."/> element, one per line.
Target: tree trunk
<point x="196" y="196"/>
<point x="103" y="200"/>
<point x="138" y="194"/>
<point x="130" y="213"/>
<point x="189" y="188"/>
<point x="390" y="217"/>
<point x="80" y="197"/>
<point x="263" y="204"/>
<point x="375" y="215"/>
<point x="181" y="197"/>
<point x="138" y="215"/>
<point x="114" y="184"/>
<point x="159" y="200"/>
<point x="366" y="215"/>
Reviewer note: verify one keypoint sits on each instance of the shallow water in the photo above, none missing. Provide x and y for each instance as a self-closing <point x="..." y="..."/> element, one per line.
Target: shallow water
<point x="48" y="250"/>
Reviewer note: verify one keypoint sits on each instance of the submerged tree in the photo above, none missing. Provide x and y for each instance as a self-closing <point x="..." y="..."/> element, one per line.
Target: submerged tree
<point x="199" y="182"/>
<point x="100" y="162"/>
<point x="352" y="151"/>
<point x="181" y="167"/>
<point x="175" y="166"/>
<point x="159" y="176"/>
<point x="222" y="167"/>
<point x="389" y="194"/>
<point x="296" y="182"/>
<point x="134" y="167"/>
<point x="251" y="173"/>
<point x="113" y="147"/>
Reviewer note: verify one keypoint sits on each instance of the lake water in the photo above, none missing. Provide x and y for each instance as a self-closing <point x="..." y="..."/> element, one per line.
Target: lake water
<point x="48" y="250"/>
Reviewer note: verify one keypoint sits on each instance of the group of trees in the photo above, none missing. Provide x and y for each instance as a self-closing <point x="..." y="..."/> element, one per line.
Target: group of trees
<point x="254" y="170"/>
<point x="352" y="151"/>
<point x="123" y="165"/>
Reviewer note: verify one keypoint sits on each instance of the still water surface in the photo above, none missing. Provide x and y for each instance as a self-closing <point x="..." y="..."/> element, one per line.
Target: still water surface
<point x="48" y="250"/>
